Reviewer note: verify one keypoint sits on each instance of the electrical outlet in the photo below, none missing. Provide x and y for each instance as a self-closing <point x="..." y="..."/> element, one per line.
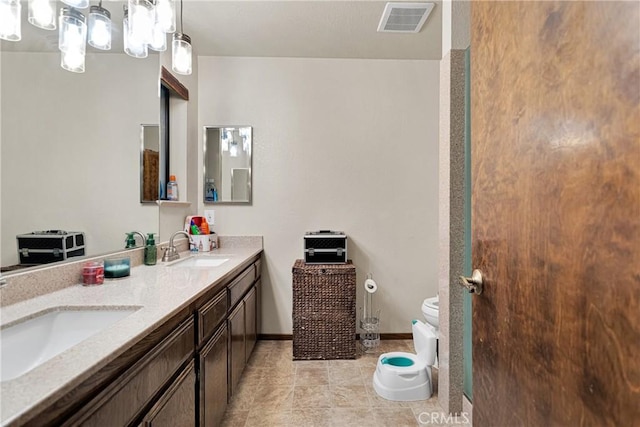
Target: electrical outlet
<point x="209" y="215"/>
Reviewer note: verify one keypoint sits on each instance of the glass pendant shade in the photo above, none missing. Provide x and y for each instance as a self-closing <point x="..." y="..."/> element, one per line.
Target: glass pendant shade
<point x="72" y="39"/>
<point x="132" y="47"/>
<point x="78" y="4"/>
<point x="10" y="20"/>
<point x="73" y="60"/>
<point x="158" y="39"/>
<point x="99" y="28"/>
<point x="141" y="20"/>
<point x="166" y="15"/>
<point x="181" y="54"/>
<point x="73" y="30"/>
<point x="42" y="14"/>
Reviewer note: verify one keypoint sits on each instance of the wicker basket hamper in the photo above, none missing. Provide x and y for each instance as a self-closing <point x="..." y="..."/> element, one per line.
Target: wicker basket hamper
<point x="324" y="311"/>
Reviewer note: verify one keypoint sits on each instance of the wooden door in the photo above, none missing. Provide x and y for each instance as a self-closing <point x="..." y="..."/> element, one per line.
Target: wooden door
<point x="555" y="98"/>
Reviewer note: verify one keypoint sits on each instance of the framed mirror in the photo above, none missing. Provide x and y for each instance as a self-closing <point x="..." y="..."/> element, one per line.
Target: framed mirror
<point x="155" y="142"/>
<point x="149" y="163"/>
<point x="227" y="164"/>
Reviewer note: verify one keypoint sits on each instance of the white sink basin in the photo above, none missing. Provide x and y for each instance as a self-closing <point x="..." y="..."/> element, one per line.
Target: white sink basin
<point x="200" y="261"/>
<point x="30" y="343"/>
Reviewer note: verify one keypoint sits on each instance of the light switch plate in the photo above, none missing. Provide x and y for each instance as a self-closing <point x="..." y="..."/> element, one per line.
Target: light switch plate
<point x="209" y="214"/>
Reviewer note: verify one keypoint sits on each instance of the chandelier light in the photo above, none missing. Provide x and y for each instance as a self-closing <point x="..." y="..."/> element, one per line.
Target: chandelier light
<point x="132" y="47"/>
<point x="99" y="27"/>
<point x="72" y="39"/>
<point x="166" y="15"/>
<point x="181" y="51"/>
<point x="158" y="37"/>
<point x="78" y="4"/>
<point x="42" y="14"/>
<point x="10" y="20"/>
<point x="141" y="21"/>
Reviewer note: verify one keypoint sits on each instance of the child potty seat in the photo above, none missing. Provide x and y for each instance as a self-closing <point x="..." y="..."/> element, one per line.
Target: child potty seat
<point x="403" y="376"/>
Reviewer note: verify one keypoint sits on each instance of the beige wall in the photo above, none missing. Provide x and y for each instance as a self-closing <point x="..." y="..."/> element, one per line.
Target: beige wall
<point x="71" y="147"/>
<point x="348" y="145"/>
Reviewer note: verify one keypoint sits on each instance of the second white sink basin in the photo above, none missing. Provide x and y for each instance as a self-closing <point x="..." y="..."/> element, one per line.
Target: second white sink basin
<point x="200" y="261"/>
<point x="28" y="344"/>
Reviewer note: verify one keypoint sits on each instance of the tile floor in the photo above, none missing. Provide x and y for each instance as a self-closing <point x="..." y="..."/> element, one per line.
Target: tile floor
<point x="277" y="391"/>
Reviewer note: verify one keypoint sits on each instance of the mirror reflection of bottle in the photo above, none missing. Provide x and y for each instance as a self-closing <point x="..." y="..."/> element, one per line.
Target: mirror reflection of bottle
<point x="172" y="188"/>
<point x="209" y="190"/>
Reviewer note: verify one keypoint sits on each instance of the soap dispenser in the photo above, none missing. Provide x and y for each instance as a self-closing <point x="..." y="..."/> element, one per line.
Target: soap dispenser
<point x="150" y="251"/>
<point x="130" y="241"/>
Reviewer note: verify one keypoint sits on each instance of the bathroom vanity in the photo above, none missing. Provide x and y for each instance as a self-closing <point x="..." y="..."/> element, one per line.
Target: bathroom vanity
<point x="176" y="360"/>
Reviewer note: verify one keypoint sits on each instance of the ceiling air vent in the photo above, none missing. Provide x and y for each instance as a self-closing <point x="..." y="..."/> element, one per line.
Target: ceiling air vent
<point x="404" y="17"/>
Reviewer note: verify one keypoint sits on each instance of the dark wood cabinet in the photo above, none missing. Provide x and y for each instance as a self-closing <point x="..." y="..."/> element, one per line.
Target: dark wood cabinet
<point x="250" y="322"/>
<point x="213" y="378"/>
<point x="237" y="357"/>
<point x="124" y="399"/>
<point x="180" y="374"/>
<point x="176" y="407"/>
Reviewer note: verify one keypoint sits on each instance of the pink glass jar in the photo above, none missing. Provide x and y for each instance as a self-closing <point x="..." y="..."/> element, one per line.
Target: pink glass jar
<point x="93" y="273"/>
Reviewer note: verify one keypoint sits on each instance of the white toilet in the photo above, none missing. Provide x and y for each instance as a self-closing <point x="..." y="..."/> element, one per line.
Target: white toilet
<point x="430" y="308"/>
<point x="403" y="376"/>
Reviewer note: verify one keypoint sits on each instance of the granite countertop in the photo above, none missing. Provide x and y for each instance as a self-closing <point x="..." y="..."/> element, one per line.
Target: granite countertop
<point x="159" y="291"/>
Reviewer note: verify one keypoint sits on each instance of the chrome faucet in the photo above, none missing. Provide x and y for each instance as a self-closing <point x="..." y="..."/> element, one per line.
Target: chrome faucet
<point x="144" y="239"/>
<point x="171" y="253"/>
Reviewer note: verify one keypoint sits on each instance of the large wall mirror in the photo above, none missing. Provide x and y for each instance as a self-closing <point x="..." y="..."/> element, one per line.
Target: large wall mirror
<point x="70" y="146"/>
<point x="227" y="164"/>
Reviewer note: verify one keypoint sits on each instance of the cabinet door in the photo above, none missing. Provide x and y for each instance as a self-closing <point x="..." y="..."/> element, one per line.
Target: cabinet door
<point x="237" y="357"/>
<point x="177" y="406"/>
<point x="213" y="379"/>
<point x="250" y="319"/>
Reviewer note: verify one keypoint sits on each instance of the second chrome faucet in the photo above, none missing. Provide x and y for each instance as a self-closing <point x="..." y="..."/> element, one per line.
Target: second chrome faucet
<point x="171" y="253"/>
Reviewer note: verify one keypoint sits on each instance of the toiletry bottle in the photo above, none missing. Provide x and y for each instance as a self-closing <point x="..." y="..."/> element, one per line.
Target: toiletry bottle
<point x="172" y="188"/>
<point x="130" y="242"/>
<point x="194" y="228"/>
<point x="208" y="193"/>
<point x="150" y="251"/>
<point x="204" y="226"/>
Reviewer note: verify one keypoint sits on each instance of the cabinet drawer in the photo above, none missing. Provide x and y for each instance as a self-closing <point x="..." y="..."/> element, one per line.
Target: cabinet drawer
<point x="241" y="285"/>
<point x="211" y="315"/>
<point x="123" y="399"/>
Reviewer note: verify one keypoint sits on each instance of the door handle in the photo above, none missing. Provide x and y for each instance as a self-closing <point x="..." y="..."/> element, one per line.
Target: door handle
<point x="473" y="283"/>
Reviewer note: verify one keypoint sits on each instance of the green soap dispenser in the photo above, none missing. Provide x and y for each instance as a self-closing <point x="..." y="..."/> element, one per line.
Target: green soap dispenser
<point x="150" y="251"/>
<point x="131" y="241"/>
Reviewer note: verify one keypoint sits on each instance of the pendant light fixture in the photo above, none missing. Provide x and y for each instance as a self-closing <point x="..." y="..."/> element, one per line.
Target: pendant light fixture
<point x="132" y="47"/>
<point x="181" y="51"/>
<point x="166" y="15"/>
<point x="42" y="14"/>
<point x="72" y="39"/>
<point x="158" y="37"/>
<point x="78" y="4"/>
<point x="99" y="27"/>
<point x="141" y="21"/>
<point x="10" y="20"/>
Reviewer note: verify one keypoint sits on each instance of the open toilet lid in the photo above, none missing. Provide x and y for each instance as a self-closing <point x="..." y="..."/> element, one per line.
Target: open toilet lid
<point x="424" y="340"/>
